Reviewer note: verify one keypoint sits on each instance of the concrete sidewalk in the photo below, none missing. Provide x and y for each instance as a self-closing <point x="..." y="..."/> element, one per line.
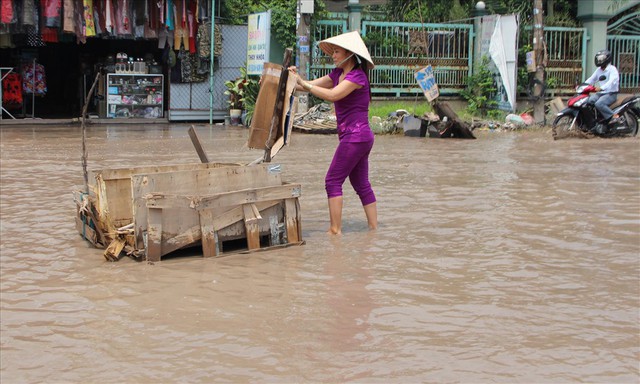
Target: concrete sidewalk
<point x="76" y="120"/>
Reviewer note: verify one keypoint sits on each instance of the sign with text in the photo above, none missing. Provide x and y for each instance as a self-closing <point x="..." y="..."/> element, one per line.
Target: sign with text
<point x="259" y="36"/>
<point x="427" y="82"/>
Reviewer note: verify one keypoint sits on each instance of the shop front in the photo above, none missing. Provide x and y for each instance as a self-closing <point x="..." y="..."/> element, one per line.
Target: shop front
<point x="154" y="57"/>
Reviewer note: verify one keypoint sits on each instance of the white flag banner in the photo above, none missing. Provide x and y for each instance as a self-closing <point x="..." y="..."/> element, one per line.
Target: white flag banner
<point x="503" y="50"/>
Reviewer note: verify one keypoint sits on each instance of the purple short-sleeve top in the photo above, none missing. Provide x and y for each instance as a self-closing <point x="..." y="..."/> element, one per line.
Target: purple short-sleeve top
<point x="352" y="112"/>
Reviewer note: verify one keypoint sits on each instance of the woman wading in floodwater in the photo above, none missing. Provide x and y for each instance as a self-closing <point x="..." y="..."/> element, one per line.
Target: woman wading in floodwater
<point x="347" y="86"/>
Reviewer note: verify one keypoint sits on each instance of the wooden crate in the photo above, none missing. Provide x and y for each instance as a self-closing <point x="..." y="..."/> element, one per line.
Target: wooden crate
<point x="150" y="212"/>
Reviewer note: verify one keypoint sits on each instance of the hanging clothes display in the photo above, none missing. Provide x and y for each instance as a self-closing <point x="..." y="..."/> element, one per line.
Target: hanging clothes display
<point x="123" y="17"/>
<point x="33" y="79"/>
<point x="192" y="25"/>
<point x="34" y="38"/>
<point x="168" y="15"/>
<point x="182" y="25"/>
<point x="98" y="17"/>
<point x="29" y="13"/>
<point x="7" y="14"/>
<point x="51" y="10"/>
<point x="87" y="12"/>
<point x="12" y="91"/>
<point x="180" y="33"/>
<point x="108" y="17"/>
<point x="68" y="20"/>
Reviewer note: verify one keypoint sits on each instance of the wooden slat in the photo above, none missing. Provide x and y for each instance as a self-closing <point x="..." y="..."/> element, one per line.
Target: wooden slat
<point x="154" y="235"/>
<point x="235" y="214"/>
<point x="251" y="226"/>
<point x="210" y="244"/>
<point x="198" y="146"/>
<point x="250" y="196"/>
<point x="87" y="232"/>
<point x="127" y="172"/>
<point x="292" y="220"/>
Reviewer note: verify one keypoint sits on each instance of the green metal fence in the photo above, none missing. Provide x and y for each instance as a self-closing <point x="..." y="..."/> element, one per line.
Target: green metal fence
<point x="566" y="49"/>
<point x="401" y="49"/>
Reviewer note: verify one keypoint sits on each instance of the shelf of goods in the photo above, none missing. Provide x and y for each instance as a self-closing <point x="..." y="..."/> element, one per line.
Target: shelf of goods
<point x="135" y="95"/>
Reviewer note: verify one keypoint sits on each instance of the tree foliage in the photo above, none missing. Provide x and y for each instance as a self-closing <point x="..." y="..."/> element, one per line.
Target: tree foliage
<point x="425" y="11"/>
<point x="283" y="15"/>
<point x="560" y="12"/>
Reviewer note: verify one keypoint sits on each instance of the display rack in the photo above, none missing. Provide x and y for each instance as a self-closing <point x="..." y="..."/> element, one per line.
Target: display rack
<point x="135" y="95"/>
<point x="2" y="76"/>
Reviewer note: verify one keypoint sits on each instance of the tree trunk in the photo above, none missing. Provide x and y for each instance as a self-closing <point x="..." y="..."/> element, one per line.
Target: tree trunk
<point x="453" y="127"/>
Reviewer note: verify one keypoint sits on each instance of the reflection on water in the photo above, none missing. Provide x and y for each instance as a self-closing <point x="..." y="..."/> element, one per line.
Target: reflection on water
<point x="511" y="258"/>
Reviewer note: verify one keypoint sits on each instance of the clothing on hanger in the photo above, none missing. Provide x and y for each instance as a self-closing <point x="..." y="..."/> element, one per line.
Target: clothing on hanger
<point x="87" y="13"/>
<point x="34" y="79"/>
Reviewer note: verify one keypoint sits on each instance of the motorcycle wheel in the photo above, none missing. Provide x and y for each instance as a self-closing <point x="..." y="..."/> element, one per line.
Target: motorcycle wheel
<point x="632" y="123"/>
<point x="563" y="126"/>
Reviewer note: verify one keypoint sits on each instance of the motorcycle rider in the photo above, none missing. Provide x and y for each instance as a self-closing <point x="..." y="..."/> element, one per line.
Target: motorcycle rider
<point x="606" y="89"/>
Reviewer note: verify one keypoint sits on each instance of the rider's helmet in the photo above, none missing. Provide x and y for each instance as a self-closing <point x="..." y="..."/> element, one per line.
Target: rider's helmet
<point x="603" y="58"/>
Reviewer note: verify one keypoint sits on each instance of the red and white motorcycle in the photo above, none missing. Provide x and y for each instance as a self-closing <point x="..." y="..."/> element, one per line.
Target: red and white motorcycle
<point x="581" y="117"/>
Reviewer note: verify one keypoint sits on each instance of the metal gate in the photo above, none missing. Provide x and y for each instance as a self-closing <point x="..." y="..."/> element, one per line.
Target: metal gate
<point x="623" y="40"/>
<point x="566" y="49"/>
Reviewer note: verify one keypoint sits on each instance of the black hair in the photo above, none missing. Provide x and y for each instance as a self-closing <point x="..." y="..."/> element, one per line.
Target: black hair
<point x="363" y="64"/>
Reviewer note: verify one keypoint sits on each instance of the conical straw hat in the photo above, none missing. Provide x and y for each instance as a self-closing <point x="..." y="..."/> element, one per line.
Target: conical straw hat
<point x="351" y="41"/>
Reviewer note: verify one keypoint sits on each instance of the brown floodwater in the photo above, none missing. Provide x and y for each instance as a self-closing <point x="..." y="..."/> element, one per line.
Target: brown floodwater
<point x="512" y="258"/>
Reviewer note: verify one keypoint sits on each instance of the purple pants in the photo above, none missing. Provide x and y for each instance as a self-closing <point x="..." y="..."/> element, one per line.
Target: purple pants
<point x="352" y="160"/>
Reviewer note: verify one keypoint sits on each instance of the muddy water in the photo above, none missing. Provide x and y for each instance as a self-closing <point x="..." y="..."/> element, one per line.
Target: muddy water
<point x="511" y="258"/>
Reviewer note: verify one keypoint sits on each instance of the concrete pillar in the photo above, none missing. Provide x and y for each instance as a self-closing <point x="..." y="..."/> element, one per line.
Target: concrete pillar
<point x="355" y="15"/>
<point x="594" y="15"/>
<point x="479" y="11"/>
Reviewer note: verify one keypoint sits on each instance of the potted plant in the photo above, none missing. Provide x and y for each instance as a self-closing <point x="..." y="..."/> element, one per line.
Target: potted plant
<point x="242" y="94"/>
<point x="236" y="93"/>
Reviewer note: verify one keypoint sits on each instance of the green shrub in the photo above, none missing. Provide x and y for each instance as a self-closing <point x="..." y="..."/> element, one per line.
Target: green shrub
<point x="480" y="90"/>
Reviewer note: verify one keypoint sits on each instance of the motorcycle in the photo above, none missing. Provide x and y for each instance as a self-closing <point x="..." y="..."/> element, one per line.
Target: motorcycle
<point x="582" y="118"/>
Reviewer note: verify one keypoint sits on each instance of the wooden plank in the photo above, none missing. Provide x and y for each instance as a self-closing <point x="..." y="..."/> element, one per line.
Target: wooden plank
<point x="224" y="200"/>
<point x="210" y="244"/>
<point x="251" y="226"/>
<point x="87" y="232"/>
<point x="292" y="220"/>
<point x="235" y="214"/>
<point x="276" y="147"/>
<point x="127" y="172"/>
<point x="196" y="143"/>
<point x="250" y="196"/>
<point x="274" y="231"/>
<point x="154" y="235"/>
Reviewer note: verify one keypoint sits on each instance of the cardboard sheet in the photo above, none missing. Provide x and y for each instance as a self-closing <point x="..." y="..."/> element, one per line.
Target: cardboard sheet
<point x="260" y="131"/>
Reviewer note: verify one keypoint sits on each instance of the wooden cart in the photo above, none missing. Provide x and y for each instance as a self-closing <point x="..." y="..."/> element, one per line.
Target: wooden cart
<point x="151" y="212"/>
